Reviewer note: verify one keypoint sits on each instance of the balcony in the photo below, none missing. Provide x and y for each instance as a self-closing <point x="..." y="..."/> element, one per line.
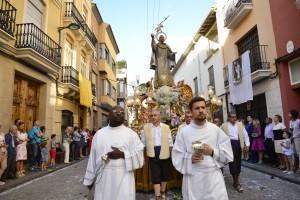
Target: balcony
<point x="90" y="35"/>
<point x="70" y="76"/>
<point x="69" y="82"/>
<point x="72" y="12"/>
<point x="236" y="12"/>
<point x="260" y="67"/>
<point x="37" y="48"/>
<point x="7" y="20"/>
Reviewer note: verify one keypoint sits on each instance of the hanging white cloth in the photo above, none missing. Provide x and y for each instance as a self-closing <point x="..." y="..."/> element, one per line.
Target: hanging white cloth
<point x="241" y="92"/>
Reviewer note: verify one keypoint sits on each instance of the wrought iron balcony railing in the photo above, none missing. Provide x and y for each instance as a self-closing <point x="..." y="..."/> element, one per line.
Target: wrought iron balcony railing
<point x="7" y="17"/>
<point x="233" y="8"/>
<point x="258" y="61"/>
<point x="90" y="35"/>
<point x="70" y="75"/>
<point x="72" y="11"/>
<point x="30" y="36"/>
<point x="258" y="58"/>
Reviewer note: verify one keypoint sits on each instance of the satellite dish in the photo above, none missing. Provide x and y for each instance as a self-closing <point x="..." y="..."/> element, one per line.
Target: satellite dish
<point x="290" y="46"/>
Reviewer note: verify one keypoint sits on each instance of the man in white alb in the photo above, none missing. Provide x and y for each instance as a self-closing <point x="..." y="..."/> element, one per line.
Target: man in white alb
<point x="202" y="177"/>
<point x="116" y="152"/>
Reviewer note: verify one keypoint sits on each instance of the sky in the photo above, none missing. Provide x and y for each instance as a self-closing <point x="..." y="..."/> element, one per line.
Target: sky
<point x="133" y="21"/>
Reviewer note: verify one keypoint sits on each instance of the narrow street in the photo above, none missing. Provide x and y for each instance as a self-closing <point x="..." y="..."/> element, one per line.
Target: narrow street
<point x="66" y="184"/>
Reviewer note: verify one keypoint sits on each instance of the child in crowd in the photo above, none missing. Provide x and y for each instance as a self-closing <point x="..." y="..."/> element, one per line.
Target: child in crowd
<point x="44" y="152"/>
<point x="287" y="152"/>
<point x="53" y="151"/>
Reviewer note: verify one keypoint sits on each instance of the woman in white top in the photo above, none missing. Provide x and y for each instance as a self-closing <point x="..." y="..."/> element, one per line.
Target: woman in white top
<point x="21" y="149"/>
<point x="67" y="139"/>
<point x="278" y="130"/>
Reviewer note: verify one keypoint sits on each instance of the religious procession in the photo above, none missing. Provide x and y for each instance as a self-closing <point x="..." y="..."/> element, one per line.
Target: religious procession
<point x="149" y="100"/>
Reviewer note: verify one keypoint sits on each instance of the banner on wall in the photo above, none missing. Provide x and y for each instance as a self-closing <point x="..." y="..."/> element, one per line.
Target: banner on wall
<point x="240" y="82"/>
<point x="85" y="89"/>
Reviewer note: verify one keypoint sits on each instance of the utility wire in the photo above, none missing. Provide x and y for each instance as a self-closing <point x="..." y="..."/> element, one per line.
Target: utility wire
<point x="158" y="11"/>
<point x="154" y="13"/>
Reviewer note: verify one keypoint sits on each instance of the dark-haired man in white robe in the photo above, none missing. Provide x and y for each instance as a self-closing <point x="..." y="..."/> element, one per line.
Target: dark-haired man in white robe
<point x="202" y="177"/>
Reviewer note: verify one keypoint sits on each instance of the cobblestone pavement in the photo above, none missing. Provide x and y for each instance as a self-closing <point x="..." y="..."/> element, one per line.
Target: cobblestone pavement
<point x="66" y="184"/>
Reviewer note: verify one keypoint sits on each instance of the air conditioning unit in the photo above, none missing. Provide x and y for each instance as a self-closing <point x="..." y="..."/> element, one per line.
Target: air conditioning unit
<point x="294" y="68"/>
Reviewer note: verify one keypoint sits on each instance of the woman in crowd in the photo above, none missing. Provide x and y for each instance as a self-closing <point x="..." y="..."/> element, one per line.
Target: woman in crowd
<point x="258" y="141"/>
<point x="90" y="139"/>
<point x="67" y="139"/>
<point x="278" y="130"/>
<point x="295" y="130"/>
<point x="3" y="154"/>
<point x="22" y="139"/>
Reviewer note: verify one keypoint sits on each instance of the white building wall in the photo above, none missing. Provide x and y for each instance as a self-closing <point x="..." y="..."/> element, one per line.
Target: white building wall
<point x="268" y="86"/>
<point x="188" y="71"/>
<point x="197" y="64"/>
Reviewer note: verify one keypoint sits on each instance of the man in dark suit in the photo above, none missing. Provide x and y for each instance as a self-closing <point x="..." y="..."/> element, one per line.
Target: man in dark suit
<point x="11" y="141"/>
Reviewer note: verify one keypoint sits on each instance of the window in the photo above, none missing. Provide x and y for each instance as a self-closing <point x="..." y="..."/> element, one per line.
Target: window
<point x="295" y="71"/>
<point x="106" y="55"/>
<point x="211" y="76"/>
<point x="69" y="55"/>
<point x="84" y="69"/>
<point x="113" y="93"/>
<point x="113" y="66"/>
<point x="101" y="51"/>
<point x="249" y="41"/>
<point x="196" y="86"/>
<point x="108" y="88"/>
<point x="104" y="83"/>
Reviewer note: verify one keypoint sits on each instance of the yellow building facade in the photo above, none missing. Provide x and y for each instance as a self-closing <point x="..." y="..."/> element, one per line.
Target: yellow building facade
<point x="46" y="51"/>
<point x="30" y="62"/>
<point x="74" y="95"/>
<point x="107" y="50"/>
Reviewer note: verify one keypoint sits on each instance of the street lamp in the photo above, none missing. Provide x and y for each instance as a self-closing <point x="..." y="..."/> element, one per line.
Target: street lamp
<point x="71" y="26"/>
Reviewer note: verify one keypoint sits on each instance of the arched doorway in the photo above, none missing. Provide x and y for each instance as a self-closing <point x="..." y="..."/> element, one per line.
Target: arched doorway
<point x="66" y="120"/>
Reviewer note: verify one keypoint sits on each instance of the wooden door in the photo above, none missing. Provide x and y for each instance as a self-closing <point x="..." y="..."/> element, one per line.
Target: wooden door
<point x="25" y="101"/>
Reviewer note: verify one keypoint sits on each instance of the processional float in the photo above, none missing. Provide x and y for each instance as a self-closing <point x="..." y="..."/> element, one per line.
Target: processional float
<point x="159" y="93"/>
